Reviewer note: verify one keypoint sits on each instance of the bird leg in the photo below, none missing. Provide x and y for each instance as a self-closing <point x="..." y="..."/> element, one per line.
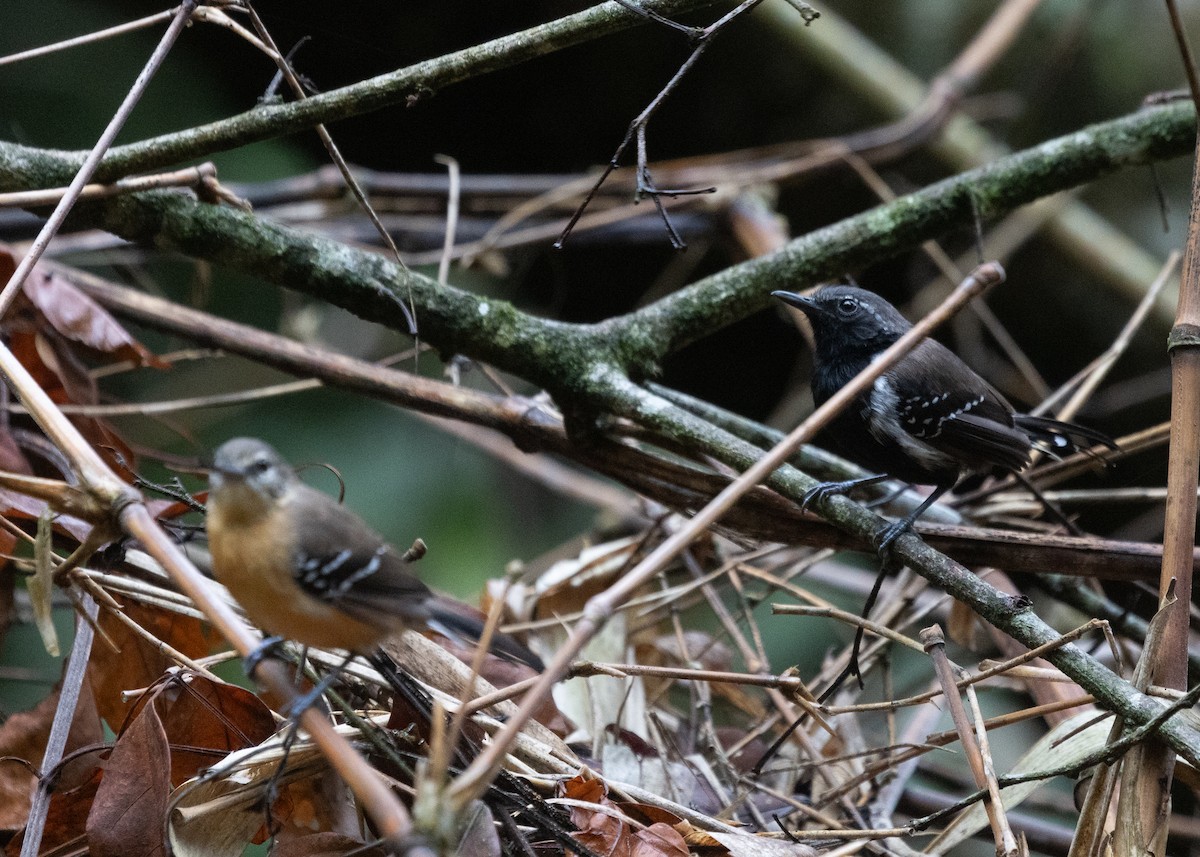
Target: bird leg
<point x="268" y="647"/>
<point x="896" y="529"/>
<point x="1051" y="508"/>
<point x="270" y="793"/>
<point x="829" y="489"/>
<point x="298" y="705"/>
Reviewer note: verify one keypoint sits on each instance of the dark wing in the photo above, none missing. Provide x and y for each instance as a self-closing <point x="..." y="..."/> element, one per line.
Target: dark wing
<point x="344" y="562"/>
<point x="968" y="420"/>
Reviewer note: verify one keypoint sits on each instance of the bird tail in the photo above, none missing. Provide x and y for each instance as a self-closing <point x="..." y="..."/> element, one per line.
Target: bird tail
<point x="460" y="622"/>
<point x="1057" y="439"/>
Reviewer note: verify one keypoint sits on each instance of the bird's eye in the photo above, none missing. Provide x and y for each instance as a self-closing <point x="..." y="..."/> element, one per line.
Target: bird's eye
<point x="847" y="307"/>
<point x="260" y="465"/>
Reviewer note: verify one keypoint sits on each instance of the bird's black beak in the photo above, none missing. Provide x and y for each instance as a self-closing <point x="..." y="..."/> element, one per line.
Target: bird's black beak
<point x="800" y="302"/>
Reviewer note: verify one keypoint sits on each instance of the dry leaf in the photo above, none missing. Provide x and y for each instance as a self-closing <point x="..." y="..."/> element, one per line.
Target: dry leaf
<point x="479" y="836"/>
<point x="205" y="720"/>
<point x="1056" y="748"/>
<point x="23" y="736"/>
<point x="140" y="662"/>
<point x="126" y="817"/>
<point x="65" y="820"/>
<point x="74" y="315"/>
<point x="611" y="832"/>
<point x="41" y="585"/>
<point x="50" y="328"/>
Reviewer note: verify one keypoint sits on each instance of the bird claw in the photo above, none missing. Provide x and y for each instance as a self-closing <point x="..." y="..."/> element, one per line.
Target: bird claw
<point x="826" y="490"/>
<point x="886" y="537"/>
<point x="263" y="650"/>
<point x="829" y="489"/>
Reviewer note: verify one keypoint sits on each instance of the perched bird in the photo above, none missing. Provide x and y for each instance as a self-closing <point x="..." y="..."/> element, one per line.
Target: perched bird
<point x="308" y="569"/>
<point x="929" y="419"/>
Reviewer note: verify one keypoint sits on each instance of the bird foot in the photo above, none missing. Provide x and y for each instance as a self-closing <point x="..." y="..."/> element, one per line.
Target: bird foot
<point x="268" y="647"/>
<point x="826" y="490"/>
<point x="886" y="537"/>
<point x="830" y="489"/>
<point x="306" y="700"/>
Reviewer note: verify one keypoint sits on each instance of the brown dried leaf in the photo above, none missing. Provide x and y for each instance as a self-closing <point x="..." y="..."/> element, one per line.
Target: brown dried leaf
<point x="568" y="584"/>
<point x="14" y="504"/>
<point x="65" y="380"/>
<point x="659" y="840"/>
<point x="128" y="812"/>
<point x="320" y="802"/>
<point x="964" y="627"/>
<point x="648" y="814"/>
<point x="206" y="720"/>
<point x="65" y="820"/>
<point x="47" y="328"/>
<point x="140" y="663"/>
<point x="23" y="736"/>
<point x="12" y="458"/>
<point x="78" y="318"/>
<point x="611" y="832"/>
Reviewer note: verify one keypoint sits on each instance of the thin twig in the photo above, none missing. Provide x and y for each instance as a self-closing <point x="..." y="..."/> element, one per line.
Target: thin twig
<point x="849" y="618"/>
<point x="90" y="38"/>
<point x="701" y="38"/>
<point x="189" y="177"/>
<point x="92" y="161"/>
<point x="935" y="646"/>
<point x="452" y="203"/>
<point x="1094" y="374"/>
<point x="335" y="155"/>
<point x="64" y="716"/>
<point x="1185" y="52"/>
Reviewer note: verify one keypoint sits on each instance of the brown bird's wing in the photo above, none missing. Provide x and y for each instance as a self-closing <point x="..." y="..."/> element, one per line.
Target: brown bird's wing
<point x="973" y="427"/>
<point x="369" y="581"/>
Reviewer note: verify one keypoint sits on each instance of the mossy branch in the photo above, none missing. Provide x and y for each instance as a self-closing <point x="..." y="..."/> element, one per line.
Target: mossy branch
<point x="406" y="86"/>
<point x="596" y="367"/>
<point x="571" y="360"/>
<point x="952" y="205"/>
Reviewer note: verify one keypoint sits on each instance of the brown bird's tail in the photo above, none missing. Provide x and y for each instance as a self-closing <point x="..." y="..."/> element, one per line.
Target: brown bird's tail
<point x="461" y="622"/>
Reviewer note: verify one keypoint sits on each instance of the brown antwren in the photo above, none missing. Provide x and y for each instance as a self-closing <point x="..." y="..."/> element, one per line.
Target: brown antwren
<point x="308" y="569"/>
<point x="929" y="419"/>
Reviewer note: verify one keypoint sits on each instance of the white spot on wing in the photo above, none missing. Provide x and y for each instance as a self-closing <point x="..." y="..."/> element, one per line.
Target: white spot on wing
<point x="884" y="424"/>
